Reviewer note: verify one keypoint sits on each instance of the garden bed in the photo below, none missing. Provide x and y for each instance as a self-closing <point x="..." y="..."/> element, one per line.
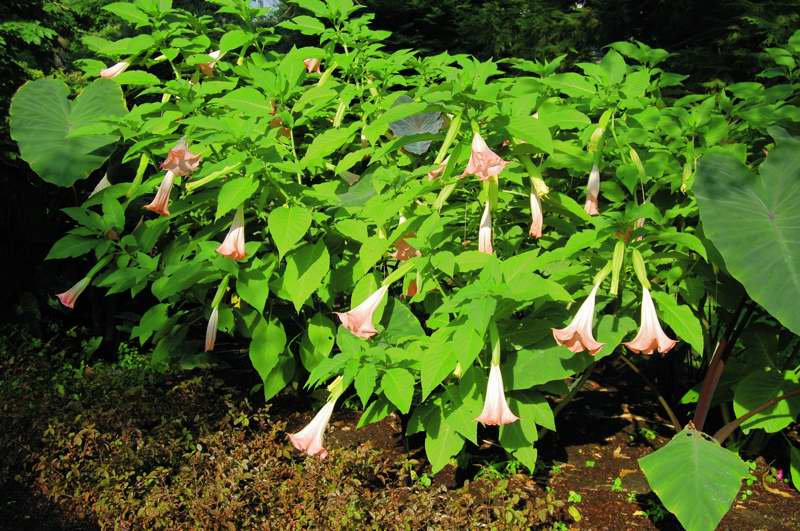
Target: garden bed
<point x="105" y="445"/>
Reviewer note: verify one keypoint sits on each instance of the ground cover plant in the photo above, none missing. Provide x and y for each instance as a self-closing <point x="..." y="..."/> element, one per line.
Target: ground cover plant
<point x="458" y="241"/>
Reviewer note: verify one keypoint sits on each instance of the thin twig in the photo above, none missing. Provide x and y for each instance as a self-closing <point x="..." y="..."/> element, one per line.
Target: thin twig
<point x="725" y="431"/>
<point x="649" y="383"/>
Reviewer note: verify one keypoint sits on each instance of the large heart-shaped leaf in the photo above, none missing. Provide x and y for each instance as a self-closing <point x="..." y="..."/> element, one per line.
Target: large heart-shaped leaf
<point x="753" y="220"/>
<point x="695" y="478"/>
<point x="44" y="123"/>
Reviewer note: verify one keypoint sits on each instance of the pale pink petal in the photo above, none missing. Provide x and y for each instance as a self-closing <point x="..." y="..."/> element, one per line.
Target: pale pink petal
<point x="310" y="438"/>
<point x="578" y="336"/>
<point x="160" y="203"/>
<point x="495" y="408"/>
<point x="593" y="192"/>
<point x="537" y="219"/>
<point x="483" y="162"/>
<point x="113" y="71"/>
<point x="233" y="245"/>
<point x="69" y="297"/>
<point x="359" y="320"/>
<point x="312" y="65"/>
<point x="651" y="336"/>
<point x="485" y="231"/>
<point x="439" y="170"/>
<point x="180" y="160"/>
<point x="208" y="68"/>
<point x="211" y="329"/>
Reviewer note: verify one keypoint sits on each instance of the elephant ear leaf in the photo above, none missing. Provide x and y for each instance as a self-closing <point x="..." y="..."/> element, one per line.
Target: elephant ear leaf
<point x="65" y="140"/>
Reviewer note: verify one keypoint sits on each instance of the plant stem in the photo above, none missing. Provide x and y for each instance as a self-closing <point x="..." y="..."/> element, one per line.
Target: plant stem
<point x="576" y="386"/>
<point x="649" y="383"/>
<point x="725" y="431"/>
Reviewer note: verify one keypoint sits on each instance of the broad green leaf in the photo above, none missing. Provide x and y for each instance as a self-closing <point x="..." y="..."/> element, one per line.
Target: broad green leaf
<point x="137" y="77"/>
<point x="695" y="478"/>
<point x="252" y="285"/>
<point x="365" y="382"/>
<point x="247" y="100"/>
<point x="794" y="469"/>
<point x="317" y="343"/>
<point x="279" y="377"/>
<point x="398" y="387"/>
<point x="128" y="12"/>
<point x="266" y="347"/>
<point x="233" y="193"/>
<point x="681" y="319"/>
<point x="71" y="246"/>
<point x="326" y="143"/>
<point x="531" y="130"/>
<point x="752" y="220"/>
<point x="375" y="129"/>
<point x="377" y="410"/>
<point x="42" y="119"/>
<point x="304" y="24"/>
<point x="761" y="386"/>
<point x="401" y="323"/>
<point x="571" y="84"/>
<point x="287" y="226"/>
<point x="562" y="116"/>
<point x="441" y="441"/>
<point x="151" y="322"/>
<point x="438" y="361"/>
<point x="234" y="39"/>
<point x="305" y="269"/>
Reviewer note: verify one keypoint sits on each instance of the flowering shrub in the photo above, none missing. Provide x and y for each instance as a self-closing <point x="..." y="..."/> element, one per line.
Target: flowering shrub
<point x="449" y="238"/>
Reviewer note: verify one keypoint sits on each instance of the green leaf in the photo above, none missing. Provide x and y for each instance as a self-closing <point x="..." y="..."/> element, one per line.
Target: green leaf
<point x="42" y="118"/>
<point x="794" y="469"/>
<point x="753" y="220"/>
<point x="398" y="387"/>
<point x="252" y="285"/>
<point x="234" y="39"/>
<point x="561" y="116"/>
<point x="681" y="319"/>
<point x="304" y="24"/>
<point x="375" y="129"/>
<point x="247" y="100"/>
<point x="128" y="12"/>
<point x="441" y="441"/>
<point x="571" y="84"/>
<point x="137" y="77"/>
<point x="402" y="323"/>
<point x="152" y="321"/>
<point x="71" y="246"/>
<point x="761" y="386"/>
<point x="305" y="269"/>
<point x="326" y="143"/>
<point x="365" y="382"/>
<point x="317" y="343"/>
<point x="279" y="377"/>
<point x="288" y="225"/>
<point x="266" y="347"/>
<point x="531" y="130"/>
<point x="233" y="193"/>
<point x="695" y="478"/>
<point x="438" y="361"/>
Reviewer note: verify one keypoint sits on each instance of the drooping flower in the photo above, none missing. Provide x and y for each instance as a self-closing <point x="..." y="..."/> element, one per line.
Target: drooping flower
<point x="233" y="244"/>
<point x="69" y="297"/>
<point x="113" y="71"/>
<point x="160" y="203"/>
<point x="312" y="65"/>
<point x="593" y="192"/>
<point x="650" y="337"/>
<point x="485" y="231"/>
<point x="536" y="216"/>
<point x="310" y="438"/>
<point x="359" y="319"/>
<point x="180" y="160"/>
<point x="439" y="170"/>
<point x="102" y="184"/>
<point x="211" y="329"/>
<point x="578" y="337"/>
<point x="208" y="68"/>
<point x="495" y="408"/>
<point x="483" y="162"/>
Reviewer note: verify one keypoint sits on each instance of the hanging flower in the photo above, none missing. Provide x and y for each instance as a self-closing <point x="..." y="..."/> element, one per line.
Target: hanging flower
<point x="593" y="192"/>
<point x="439" y="170"/>
<point x="359" y="319"/>
<point x="180" y="160"/>
<point x="495" y="408"/>
<point x="233" y="245"/>
<point x="69" y="297"/>
<point x="160" y="203"/>
<point x="578" y="337"/>
<point x="102" y="184"/>
<point x="208" y="68"/>
<point x="536" y="216"/>
<point x="310" y="438"/>
<point x="650" y="337"/>
<point x="485" y="231"/>
<point x="211" y="329"/>
<point x="312" y="65"/>
<point x="113" y="71"/>
<point x="483" y="162"/>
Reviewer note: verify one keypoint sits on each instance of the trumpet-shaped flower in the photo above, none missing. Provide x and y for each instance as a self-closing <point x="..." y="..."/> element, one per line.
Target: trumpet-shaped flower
<point x="485" y="231"/>
<point x="536" y="216"/>
<point x="310" y="438"/>
<point x="495" y="408"/>
<point x="359" y="319"/>
<point x="208" y="68"/>
<point x="593" y="192"/>
<point x="160" y="203"/>
<point x="180" y="160"/>
<point x="312" y="65"/>
<point x="650" y="337"/>
<point x="483" y="162"/>
<point x="211" y="329"/>
<point x="439" y="170"/>
<point x="233" y="245"/>
<point x="69" y="297"/>
<point x="578" y="337"/>
<point x="113" y="71"/>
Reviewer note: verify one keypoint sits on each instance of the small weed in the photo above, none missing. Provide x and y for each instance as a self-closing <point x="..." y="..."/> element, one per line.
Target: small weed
<point x="574" y="497"/>
<point x="616" y="486"/>
<point x="590" y="463"/>
<point x="655" y="510"/>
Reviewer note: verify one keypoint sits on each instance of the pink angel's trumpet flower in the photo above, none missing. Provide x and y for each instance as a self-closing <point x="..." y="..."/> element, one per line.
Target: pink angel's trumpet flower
<point x="69" y="297"/>
<point x="113" y="71"/>
<point x="650" y="337"/>
<point x="593" y="192"/>
<point x="310" y="438"/>
<point x="233" y="245"/>
<point x="208" y="68"/>
<point x="160" y="203"/>
<point x="359" y="319"/>
<point x="495" y="409"/>
<point x="439" y="170"/>
<point x="485" y="231"/>
<point x="537" y="219"/>
<point x="102" y="184"/>
<point x="312" y="65"/>
<point x="211" y="329"/>
<point x="483" y="162"/>
<point x="180" y="160"/>
<point x="578" y="337"/>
